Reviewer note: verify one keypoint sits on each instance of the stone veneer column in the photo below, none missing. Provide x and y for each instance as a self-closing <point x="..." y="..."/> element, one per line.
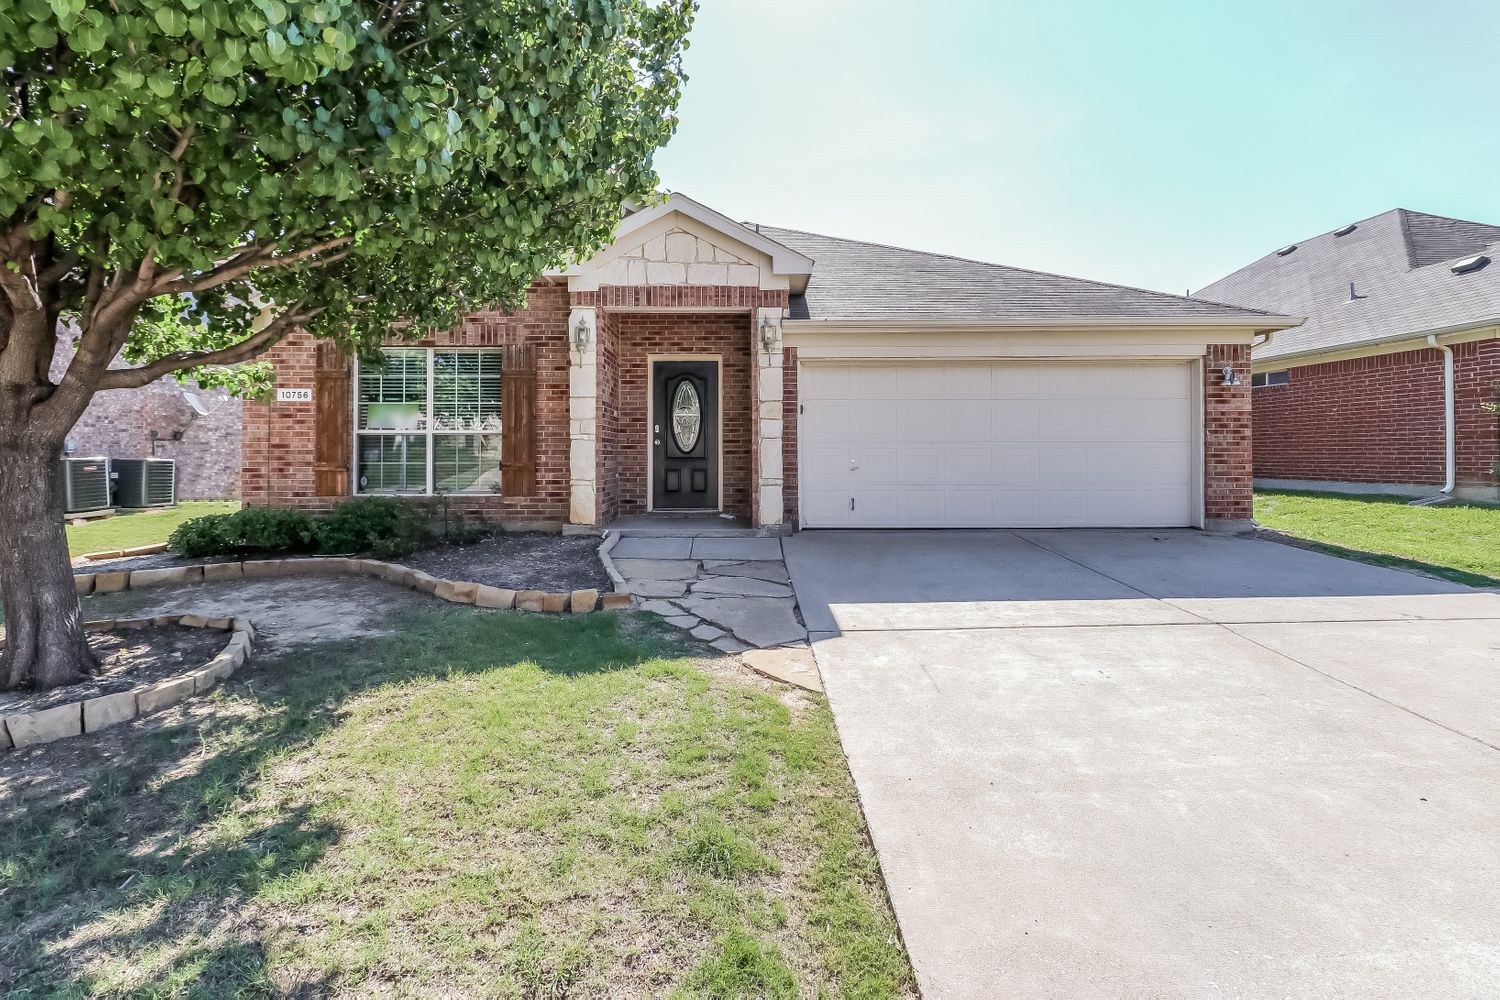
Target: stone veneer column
<point x="583" y="395"/>
<point x="766" y="393"/>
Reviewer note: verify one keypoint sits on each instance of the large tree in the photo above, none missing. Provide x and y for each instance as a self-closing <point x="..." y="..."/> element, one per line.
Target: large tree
<point x="182" y="182"/>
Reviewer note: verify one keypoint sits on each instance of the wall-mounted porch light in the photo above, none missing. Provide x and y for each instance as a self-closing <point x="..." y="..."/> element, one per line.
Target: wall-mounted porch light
<point x="581" y="335"/>
<point x="767" y="333"/>
<point x="1231" y="377"/>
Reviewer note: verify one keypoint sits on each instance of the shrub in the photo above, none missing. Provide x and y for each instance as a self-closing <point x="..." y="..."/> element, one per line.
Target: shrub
<point x="253" y="529"/>
<point x="385" y="526"/>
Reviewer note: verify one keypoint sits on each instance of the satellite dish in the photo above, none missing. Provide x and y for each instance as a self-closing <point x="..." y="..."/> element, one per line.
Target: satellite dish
<point x="201" y="407"/>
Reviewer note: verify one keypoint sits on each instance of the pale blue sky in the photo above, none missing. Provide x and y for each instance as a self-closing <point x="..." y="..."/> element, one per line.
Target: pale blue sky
<point x="1152" y="143"/>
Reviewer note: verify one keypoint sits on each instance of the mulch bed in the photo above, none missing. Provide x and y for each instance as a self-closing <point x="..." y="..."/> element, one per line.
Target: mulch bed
<point x="533" y="560"/>
<point x="129" y="658"/>
<point x="517" y="560"/>
<point x="160" y="560"/>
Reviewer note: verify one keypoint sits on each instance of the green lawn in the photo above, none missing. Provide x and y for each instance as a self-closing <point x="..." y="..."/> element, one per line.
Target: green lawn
<point x="489" y="804"/>
<point x="146" y="527"/>
<point x="1459" y="542"/>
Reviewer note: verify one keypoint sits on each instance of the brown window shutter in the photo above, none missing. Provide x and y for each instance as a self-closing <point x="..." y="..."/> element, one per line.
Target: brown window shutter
<point x="518" y="419"/>
<point x="332" y="432"/>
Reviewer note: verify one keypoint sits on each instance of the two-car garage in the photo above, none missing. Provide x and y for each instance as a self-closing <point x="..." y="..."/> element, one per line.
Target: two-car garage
<point x="978" y="444"/>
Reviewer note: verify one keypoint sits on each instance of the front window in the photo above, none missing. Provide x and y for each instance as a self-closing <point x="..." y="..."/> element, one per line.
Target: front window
<point x="1261" y="380"/>
<point x="428" y="421"/>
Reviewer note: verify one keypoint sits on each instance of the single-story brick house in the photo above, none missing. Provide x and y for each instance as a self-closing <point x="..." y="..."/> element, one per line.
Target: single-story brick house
<point x="1385" y="387"/>
<point x="700" y="364"/>
<point x="160" y="420"/>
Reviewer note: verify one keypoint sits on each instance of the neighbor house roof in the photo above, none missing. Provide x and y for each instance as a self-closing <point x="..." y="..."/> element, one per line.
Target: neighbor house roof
<point x="1402" y="267"/>
<point x="853" y="281"/>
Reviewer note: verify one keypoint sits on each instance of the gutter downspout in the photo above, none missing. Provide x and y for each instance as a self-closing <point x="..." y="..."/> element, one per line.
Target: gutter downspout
<point x="1449" y="451"/>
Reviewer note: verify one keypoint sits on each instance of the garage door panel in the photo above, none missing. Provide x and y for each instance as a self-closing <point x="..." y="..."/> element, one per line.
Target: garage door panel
<point x="1111" y="464"/>
<point x="825" y="382"/>
<point x="970" y="508"/>
<point x="1063" y="463"/>
<point x="1160" y="464"/>
<point x="924" y="507"/>
<point x="1109" y="420"/>
<point x="921" y="466"/>
<point x="825" y="465"/>
<point x="1062" y="420"/>
<point x="876" y="382"/>
<point x="967" y="382"/>
<point x="996" y="445"/>
<point x="1160" y="420"/>
<point x="826" y="508"/>
<point x="1156" y="381"/>
<point x="920" y="381"/>
<point x="1015" y="420"/>
<point x="965" y="420"/>
<point x="918" y="421"/>
<point x="967" y="464"/>
<point x="1017" y="464"/>
<point x="875" y="465"/>
<point x="879" y="507"/>
<point x="876" y="425"/>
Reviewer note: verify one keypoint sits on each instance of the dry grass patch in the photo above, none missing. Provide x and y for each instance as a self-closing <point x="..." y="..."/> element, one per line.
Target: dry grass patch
<point x="486" y="804"/>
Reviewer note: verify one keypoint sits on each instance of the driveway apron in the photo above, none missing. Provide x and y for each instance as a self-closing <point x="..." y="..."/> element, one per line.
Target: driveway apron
<point x="1166" y="764"/>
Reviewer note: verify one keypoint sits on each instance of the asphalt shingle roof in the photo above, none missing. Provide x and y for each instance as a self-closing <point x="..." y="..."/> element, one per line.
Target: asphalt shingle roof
<point x="1400" y="263"/>
<point x="867" y="281"/>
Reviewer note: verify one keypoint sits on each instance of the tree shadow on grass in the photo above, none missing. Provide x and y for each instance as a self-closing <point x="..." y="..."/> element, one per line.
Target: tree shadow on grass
<point x="117" y="858"/>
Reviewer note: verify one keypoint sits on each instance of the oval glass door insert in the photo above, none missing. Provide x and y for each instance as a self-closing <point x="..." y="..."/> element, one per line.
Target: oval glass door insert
<point x="687" y="416"/>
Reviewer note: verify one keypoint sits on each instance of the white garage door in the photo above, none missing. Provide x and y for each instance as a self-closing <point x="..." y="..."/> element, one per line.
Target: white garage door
<point x="973" y="445"/>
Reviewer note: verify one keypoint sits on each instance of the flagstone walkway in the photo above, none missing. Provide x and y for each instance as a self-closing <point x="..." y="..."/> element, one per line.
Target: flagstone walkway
<point x="731" y="592"/>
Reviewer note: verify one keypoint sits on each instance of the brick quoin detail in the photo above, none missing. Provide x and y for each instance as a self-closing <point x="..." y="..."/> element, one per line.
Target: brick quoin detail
<point x="1228" y="485"/>
<point x="1380" y="419"/>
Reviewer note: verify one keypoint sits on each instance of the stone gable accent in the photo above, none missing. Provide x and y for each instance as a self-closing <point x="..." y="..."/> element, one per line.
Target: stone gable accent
<point x="677" y="257"/>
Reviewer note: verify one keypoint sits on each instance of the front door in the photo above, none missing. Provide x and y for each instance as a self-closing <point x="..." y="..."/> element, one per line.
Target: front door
<point x="685" y="435"/>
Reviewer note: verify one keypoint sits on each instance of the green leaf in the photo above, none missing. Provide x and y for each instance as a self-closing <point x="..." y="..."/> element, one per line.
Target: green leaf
<point x="42" y="35"/>
<point x="172" y="21"/>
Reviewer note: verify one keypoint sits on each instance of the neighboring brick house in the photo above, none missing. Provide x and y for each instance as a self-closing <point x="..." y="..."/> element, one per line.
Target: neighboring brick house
<point x="700" y="365"/>
<point x="157" y="419"/>
<point x="1356" y="398"/>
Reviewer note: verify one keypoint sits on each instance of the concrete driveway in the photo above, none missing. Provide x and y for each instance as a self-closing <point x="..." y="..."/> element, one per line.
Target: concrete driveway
<point x="1166" y="764"/>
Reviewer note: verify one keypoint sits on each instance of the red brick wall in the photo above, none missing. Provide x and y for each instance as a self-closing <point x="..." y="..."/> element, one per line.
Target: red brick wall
<point x="1228" y="488"/>
<point x="1380" y="419"/>
<point x="607" y="426"/>
<point x="644" y="334"/>
<point x="789" y="436"/>
<point x="1476" y="381"/>
<point x="278" y="451"/>
<point x="118" y="423"/>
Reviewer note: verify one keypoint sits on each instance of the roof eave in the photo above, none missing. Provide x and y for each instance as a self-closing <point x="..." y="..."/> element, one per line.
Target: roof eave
<point x="1377" y="344"/>
<point x="1258" y="324"/>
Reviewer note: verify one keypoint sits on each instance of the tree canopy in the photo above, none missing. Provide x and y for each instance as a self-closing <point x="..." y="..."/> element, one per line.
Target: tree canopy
<point x="357" y="164"/>
<point x="185" y="181"/>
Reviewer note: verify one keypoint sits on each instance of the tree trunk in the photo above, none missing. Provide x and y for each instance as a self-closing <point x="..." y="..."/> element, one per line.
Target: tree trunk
<point x="45" y="645"/>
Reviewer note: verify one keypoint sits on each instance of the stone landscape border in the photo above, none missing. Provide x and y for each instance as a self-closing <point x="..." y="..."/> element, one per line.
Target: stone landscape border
<point x="454" y="591"/>
<point x="89" y="715"/>
<point x="139" y="550"/>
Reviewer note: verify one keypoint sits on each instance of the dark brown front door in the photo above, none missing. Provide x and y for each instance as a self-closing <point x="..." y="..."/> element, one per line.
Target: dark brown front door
<point x="685" y="435"/>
